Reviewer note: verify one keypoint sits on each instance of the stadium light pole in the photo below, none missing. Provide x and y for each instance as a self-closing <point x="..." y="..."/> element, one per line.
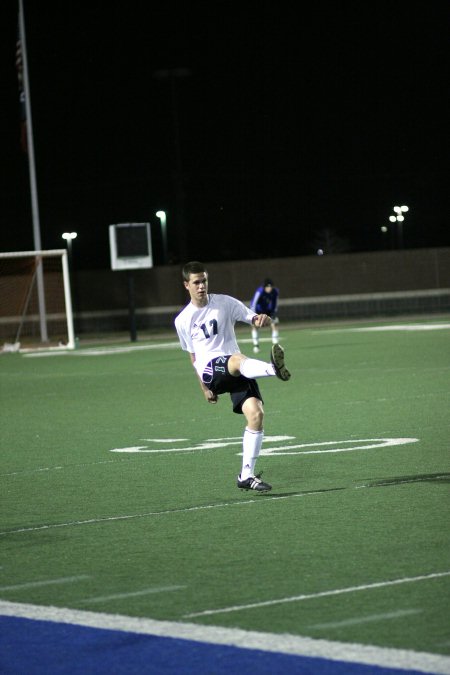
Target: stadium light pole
<point x="174" y="77"/>
<point x="69" y="237"/>
<point x="162" y="217"/>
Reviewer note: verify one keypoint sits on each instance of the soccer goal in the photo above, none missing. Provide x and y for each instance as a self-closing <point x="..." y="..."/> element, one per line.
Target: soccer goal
<point x="35" y="301"/>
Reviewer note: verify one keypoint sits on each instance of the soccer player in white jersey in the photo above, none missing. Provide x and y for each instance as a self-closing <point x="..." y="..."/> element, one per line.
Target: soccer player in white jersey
<point x="205" y="328"/>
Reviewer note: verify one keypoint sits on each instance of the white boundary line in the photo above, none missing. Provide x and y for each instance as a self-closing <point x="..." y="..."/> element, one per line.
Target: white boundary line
<point x="322" y="594"/>
<point x="282" y="643"/>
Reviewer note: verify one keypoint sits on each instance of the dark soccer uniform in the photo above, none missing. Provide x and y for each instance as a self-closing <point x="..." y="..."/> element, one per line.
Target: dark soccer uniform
<point x="265" y="303"/>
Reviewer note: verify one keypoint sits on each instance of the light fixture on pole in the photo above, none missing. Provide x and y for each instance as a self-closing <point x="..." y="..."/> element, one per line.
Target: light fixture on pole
<point x="69" y="237"/>
<point x="399" y="218"/>
<point x="162" y="217"/>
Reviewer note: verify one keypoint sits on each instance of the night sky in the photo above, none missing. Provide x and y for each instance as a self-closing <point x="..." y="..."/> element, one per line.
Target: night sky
<point x="263" y="128"/>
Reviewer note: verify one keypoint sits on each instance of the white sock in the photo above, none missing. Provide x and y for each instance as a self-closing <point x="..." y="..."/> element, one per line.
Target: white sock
<point x="275" y="336"/>
<point x="253" y="368"/>
<point x="251" y="446"/>
<point x="255" y="336"/>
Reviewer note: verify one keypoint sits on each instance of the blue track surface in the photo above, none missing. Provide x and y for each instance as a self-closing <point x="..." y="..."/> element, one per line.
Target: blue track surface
<point x="33" y="647"/>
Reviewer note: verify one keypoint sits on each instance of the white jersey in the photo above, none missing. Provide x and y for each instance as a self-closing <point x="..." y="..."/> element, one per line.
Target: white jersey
<point x="208" y="331"/>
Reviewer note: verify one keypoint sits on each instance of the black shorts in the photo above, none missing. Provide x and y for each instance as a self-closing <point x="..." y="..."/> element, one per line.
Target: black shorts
<point x="218" y="380"/>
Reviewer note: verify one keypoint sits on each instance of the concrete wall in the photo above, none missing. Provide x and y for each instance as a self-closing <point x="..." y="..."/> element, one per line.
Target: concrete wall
<point x="159" y="291"/>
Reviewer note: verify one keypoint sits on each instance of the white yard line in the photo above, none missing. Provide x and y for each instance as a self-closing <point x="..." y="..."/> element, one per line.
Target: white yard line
<point x="269" y="642"/>
<point x="133" y="594"/>
<point x="372" y="618"/>
<point x="44" y="582"/>
<point x="104" y="351"/>
<point x="321" y="594"/>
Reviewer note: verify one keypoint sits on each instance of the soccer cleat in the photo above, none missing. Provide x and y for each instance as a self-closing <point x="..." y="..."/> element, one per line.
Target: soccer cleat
<point x="277" y="358"/>
<point x="253" y="483"/>
<point x="256" y="349"/>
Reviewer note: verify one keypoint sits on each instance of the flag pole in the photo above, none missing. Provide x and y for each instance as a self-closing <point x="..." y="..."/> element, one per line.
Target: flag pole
<point x="33" y="184"/>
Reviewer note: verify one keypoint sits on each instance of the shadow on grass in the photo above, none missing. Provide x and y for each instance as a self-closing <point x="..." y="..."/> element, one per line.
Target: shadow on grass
<point x="416" y="478"/>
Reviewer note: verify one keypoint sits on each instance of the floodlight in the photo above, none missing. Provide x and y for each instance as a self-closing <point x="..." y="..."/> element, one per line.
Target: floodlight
<point x="162" y="217"/>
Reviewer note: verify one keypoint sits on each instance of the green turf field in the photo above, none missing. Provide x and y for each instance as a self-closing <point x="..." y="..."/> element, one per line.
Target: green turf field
<point x="119" y="495"/>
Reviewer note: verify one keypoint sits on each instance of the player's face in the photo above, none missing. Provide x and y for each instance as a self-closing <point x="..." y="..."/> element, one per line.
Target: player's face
<point x="197" y="287"/>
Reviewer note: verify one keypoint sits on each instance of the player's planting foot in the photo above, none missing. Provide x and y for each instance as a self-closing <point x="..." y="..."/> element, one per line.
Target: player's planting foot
<point x="253" y="483"/>
<point x="277" y="358"/>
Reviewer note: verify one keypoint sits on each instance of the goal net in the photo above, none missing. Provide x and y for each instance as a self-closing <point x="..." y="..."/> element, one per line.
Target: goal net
<point x="35" y="301"/>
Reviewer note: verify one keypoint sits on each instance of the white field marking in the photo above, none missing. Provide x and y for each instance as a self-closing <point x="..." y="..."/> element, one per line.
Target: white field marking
<point x="103" y="351"/>
<point x="321" y="594"/>
<point x="282" y="643"/>
<point x="391" y="327"/>
<point x="249" y="341"/>
<point x="45" y="468"/>
<point x="210" y="444"/>
<point x="124" y="350"/>
<point x="373" y="618"/>
<point x="132" y="594"/>
<point x="411" y="327"/>
<point x="134" y="448"/>
<point x="133" y="516"/>
<point x="37" y="355"/>
<point x="66" y="466"/>
<point x="44" y="582"/>
<point x="213" y="443"/>
<point x="259" y="500"/>
<point x="373" y="443"/>
<point x="267" y="439"/>
<point x="164" y="440"/>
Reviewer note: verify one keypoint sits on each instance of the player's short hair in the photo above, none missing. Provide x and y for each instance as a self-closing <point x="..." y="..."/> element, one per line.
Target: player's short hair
<point x="268" y="282"/>
<point x="193" y="267"/>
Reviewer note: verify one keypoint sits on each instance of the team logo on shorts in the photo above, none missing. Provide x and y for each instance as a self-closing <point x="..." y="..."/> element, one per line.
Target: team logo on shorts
<point x="217" y="367"/>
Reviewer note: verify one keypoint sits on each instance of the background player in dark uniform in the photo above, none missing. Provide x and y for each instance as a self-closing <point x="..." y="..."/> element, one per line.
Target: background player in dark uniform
<point x="265" y="301"/>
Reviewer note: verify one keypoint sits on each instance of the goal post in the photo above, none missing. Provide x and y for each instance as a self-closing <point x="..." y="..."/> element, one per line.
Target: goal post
<point x="25" y="321"/>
